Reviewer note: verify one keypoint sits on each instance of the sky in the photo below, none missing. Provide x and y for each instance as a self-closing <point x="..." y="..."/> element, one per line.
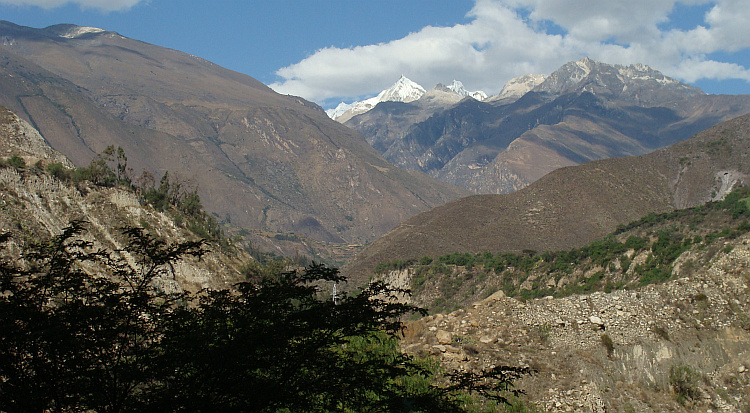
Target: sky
<point x="344" y="50"/>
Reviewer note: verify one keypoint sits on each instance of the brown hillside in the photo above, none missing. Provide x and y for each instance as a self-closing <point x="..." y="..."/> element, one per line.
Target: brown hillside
<point x="259" y="159"/>
<point x="575" y="205"/>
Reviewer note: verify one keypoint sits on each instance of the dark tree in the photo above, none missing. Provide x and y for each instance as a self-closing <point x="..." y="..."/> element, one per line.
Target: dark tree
<point x="114" y="342"/>
<point x="71" y="340"/>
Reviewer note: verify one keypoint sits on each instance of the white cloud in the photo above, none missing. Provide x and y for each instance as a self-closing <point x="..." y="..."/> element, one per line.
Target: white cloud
<point x="505" y="38"/>
<point x="103" y="5"/>
<point x="694" y="69"/>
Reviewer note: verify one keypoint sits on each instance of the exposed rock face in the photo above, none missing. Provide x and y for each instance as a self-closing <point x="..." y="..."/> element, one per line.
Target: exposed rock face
<point x="636" y="84"/>
<point x="521" y="85"/>
<point x="699" y="322"/>
<point x="39" y="206"/>
<point x="34" y="205"/>
<point x="20" y="138"/>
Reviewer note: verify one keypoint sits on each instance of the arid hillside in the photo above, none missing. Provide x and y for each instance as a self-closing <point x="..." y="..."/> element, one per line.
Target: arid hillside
<point x="573" y="206"/>
<point x="260" y="160"/>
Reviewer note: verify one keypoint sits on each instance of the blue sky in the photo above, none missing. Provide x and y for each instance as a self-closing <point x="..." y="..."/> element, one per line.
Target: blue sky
<point x="331" y="51"/>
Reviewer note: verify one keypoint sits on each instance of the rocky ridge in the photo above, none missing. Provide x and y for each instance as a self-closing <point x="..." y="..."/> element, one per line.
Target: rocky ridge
<point x="584" y="111"/>
<point x="20" y="138"/>
<point x="635" y="84"/>
<point x="573" y="206"/>
<point x="519" y="86"/>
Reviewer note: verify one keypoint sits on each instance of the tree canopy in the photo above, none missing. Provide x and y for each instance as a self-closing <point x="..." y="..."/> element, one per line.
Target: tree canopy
<point x="89" y="329"/>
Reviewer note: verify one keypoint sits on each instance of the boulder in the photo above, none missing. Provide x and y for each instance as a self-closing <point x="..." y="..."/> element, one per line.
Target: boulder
<point x="444" y="337"/>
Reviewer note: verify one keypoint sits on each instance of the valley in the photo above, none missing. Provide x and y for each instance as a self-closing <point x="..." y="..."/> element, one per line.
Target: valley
<point x="582" y="236"/>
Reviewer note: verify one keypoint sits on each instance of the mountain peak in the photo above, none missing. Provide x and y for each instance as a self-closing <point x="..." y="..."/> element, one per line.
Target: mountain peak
<point x="404" y="90"/>
<point x="638" y="83"/>
<point x="519" y="86"/>
<point x="68" y="31"/>
<point x="458" y="88"/>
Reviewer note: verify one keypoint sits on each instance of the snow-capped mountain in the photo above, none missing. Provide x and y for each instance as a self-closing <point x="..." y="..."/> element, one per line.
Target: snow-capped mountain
<point x="340" y="110"/>
<point x="636" y="83"/>
<point x="583" y="111"/>
<point x="521" y="85"/>
<point x="460" y="90"/>
<point x="404" y="90"/>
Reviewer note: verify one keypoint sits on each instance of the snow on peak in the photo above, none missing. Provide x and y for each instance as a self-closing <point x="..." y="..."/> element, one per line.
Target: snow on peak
<point x="458" y="88"/>
<point x="404" y="90"/>
<point x="339" y="110"/>
<point x="78" y="31"/>
<point x="521" y="85"/>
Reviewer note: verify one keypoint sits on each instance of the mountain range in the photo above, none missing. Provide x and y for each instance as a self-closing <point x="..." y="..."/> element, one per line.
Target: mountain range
<point x="260" y="160"/>
<point x="274" y="164"/>
<point x="404" y="90"/>
<point x="573" y="206"/>
<point x="584" y="111"/>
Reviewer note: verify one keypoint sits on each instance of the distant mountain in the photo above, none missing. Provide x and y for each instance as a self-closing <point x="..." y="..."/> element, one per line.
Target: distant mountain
<point x="573" y="206"/>
<point x="404" y="90"/>
<point x="260" y="160"/>
<point x="584" y="111"/>
<point x="459" y="89"/>
<point x="519" y="86"/>
<point x="636" y="84"/>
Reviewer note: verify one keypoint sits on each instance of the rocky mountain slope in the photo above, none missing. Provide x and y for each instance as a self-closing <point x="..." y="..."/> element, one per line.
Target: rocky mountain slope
<point x="653" y="318"/>
<point x="584" y="111"/>
<point x="573" y="206"/>
<point x="35" y="205"/>
<point x="261" y="161"/>
<point x="678" y="346"/>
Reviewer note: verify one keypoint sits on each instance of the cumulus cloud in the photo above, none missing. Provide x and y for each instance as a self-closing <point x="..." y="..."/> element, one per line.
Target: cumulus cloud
<point x="508" y="38"/>
<point x="103" y="5"/>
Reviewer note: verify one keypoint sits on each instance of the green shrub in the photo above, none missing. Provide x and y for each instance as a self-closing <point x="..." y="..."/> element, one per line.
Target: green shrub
<point x="16" y="161"/>
<point x="57" y="170"/>
<point x="684" y="382"/>
<point x="426" y="260"/>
